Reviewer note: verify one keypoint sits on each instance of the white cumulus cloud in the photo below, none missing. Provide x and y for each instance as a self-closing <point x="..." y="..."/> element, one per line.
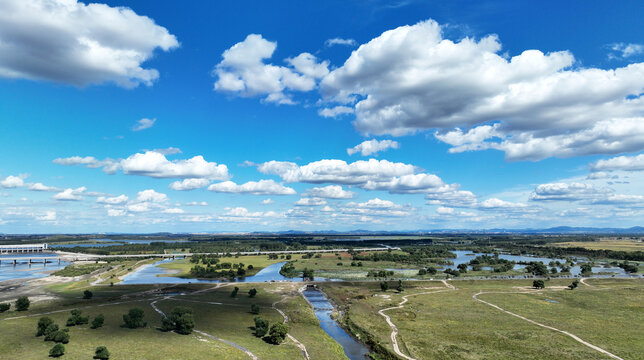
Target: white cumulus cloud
<point x="261" y="187"/>
<point x="70" y="194"/>
<point x="330" y="192"/>
<point x="374" y="146"/>
<point x="189" y="184"/>
<point x="12" y="181"/>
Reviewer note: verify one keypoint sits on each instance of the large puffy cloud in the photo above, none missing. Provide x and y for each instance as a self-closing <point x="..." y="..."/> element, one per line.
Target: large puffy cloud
<point x="12" y="182"/>
<point x="151" y="196"/>
<point x="310" y="201"/>
<point x="372" y="174"/>
<point x="531" y="106"/>
<point x="376" y="207"/>
<point x="242" y="71"/>
<point x="374" y="146"/>
<point x="42" y="187"/>
<point x="330" y="192"/>
<point x="262" y="187"/>
<point x="626" y="163"/>
<point x="154" y="164"/>
<point x="114" y="200"/>
<point x="70" y="42"/>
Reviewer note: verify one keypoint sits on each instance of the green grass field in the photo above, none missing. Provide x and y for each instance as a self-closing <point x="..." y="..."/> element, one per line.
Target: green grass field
<point x="606" y="244"/>
<point x="230" y="320"/>
<point x="452" y="325"/>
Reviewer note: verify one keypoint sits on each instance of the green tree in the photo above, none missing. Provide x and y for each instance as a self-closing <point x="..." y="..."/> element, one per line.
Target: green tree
<point x="57" y="351"/>
<point x="252" y="292"/>
<point x="101" y="353"/>
<point x="538" y="284"/>
<point x="50" y="332"/>
<point x="278" y="333"/>
<point x="22" y="304"/>
<point x="134" y="318"/>
<point x="43" y="323"/>
<point x="422" y="272"/>
<point x="254" y="309"/>
<point x="98" y="321"/>
<point x="4" y="307"/>
<point x="181" y="320"/>
<point x="234" y="292"/>
<point x="261" y="326"/>
<point x="462" y="268"/>
<point x="573" y="285"/>
<point x="62" y="336"/>
<point x="87" y="294"/>
<point x="384" y="285"/>
<point x="308" y="274"/>
<point x="400" y="286"/>
<point x="537" y="268"/>
<point x="586" y="269"/>
<point x="77" y="319"/>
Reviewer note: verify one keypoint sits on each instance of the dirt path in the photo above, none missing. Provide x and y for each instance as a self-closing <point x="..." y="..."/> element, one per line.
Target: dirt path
<point x="394" y="329"/>
<point x="583" y="281"/>
<point x="237" y="346"/>
<point x="575" y="337"/>
<point x="296" y="341"/>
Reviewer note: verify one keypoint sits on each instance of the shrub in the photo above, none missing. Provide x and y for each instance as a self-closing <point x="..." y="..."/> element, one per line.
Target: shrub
<point x="254" y="309"/>
<point x="261" y="326"/>
<point x="384" y="286"/>
<point x="98" y="321"/>
<point x="252" y="292"/>
<point x="43" y="323"/>
<point x="22" y="303"/>
<point x="50" y="332"/>
<point x="77" y="319"/>
<point x="180" y="320"/>
<point x="134" y="318"/>
<point x="57" y="351"/>
<point x="87" y="294"/>
<point x="62" y="336"/>
<point x="4" y="307"/>
<point x="278" y="333"/>
<point x="234" y="292"/>
<point x="101" y="353"/>
<point x="538" y="284"/>
<point x="573" y="285"/>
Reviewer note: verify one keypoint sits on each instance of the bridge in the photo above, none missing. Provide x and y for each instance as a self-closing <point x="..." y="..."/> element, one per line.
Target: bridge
<point x="30" y="260"/>
<point x="23" y="248"/>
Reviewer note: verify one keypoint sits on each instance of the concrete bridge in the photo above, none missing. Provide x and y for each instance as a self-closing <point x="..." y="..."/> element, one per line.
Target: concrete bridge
<point x="30" y="260"/>
<point x="23" y="248"/>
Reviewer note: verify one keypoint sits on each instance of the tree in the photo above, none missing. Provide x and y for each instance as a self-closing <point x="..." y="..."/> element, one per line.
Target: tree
<point x="77" y="319"/>
<point x="101" y="353"/>
<point x="252" y="292"/>
<point x="538" y="284"/>
<point x="43" y="323"/>
<point x="87" y="294"/>
<point x="62" y="336"/>
<point x="384" y="285"/>
<point x="50" y="332"/>
<point x="422" y="272"/>
<point x="400" y="286"/>
<point x="22" y="304"/>
<point x="308" y="274"/>
<point x="278" y="333"/>
<point x="537" y="268"/>
<point x="234" y="292"/>
<point x="462" y="268"/>
<point x="98" y="321"/>
<point x="181" y="320"/>
<point x="573" y="285"/>
<point x="57" y="351"/>
<point x="4" y="307"/>
<point x="261" y="326"/>
<point x="586" y="268"/>
<point x="254" y="309"/>
<point x="134" y="318"/>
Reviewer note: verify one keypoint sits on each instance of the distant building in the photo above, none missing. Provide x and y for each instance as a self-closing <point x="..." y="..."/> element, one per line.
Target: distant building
<point x="23" y="248"/>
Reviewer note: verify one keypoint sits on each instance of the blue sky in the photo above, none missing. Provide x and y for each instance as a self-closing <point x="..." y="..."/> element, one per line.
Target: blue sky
<point x="189" y="116"/>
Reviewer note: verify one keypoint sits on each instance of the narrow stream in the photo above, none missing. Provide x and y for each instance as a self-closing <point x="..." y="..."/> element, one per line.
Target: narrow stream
<point x="353" y="349"/>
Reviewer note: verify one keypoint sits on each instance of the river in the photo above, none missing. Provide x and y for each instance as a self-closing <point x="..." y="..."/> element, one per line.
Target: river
<point x="353" y="349"/>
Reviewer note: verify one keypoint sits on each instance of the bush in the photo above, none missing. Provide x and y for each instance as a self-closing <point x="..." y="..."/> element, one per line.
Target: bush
<point x="43" y="323"/>
<point x="50" y="332"/>
<point x="134" y="318"/>
<point x="22" y="303"/>
<point x="252" y="292"/>
<point x="384" y="286"/>
<point x="57" y="351"/>
<point x="254" y="309"/>
<point x="400" y="286"/>
<point x="62" y="336"/>
<point x="573" y="285"/>
<point x="77" y="319"/>
<point x="180" y="320"/>
<point x="98" y="321"/>
<point x="234" y="292"/>
<point x="538" y="284"/>
<point x="101" y="353"/>
<point x="278" y="333"/>
<point x="4" y="307"/>
<point x="261" y="326"/>
<point x="87" y="294"/>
